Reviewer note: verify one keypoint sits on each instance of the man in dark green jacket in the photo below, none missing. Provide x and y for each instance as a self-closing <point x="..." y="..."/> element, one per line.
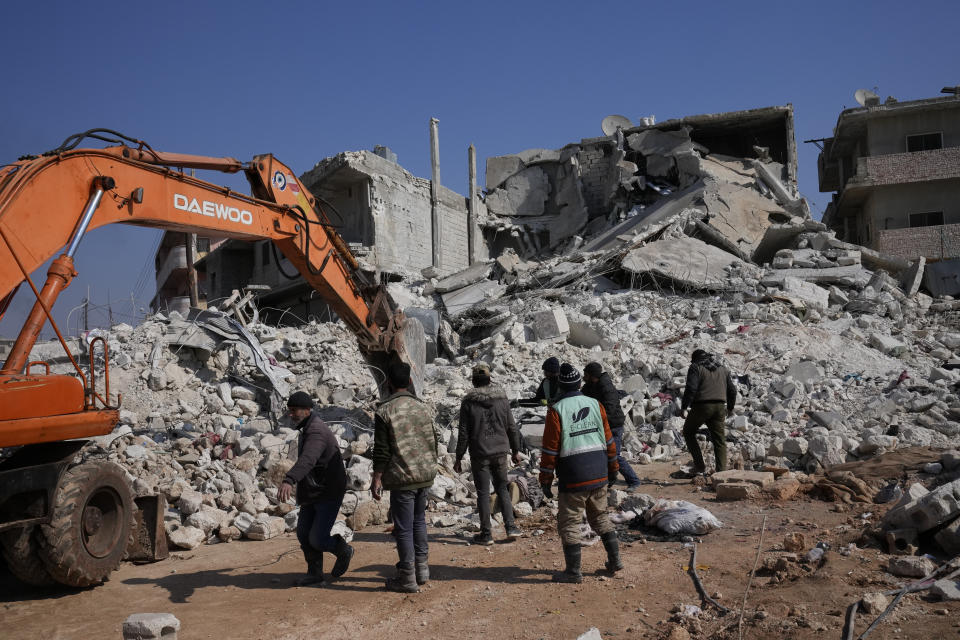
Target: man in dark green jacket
<point x="405" y="463"/>
<point x="710" y="394"/>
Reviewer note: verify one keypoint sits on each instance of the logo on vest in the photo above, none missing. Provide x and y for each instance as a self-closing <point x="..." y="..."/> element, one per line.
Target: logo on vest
<point x="580" y="415"/>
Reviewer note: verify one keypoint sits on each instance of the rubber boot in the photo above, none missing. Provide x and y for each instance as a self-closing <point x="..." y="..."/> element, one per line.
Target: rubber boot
<point x="343" y="552"/>
<point x="422" y="570"/>
<point x="406" y="580"/>
<point x="571" y="553"/>
<point x="314" y="575"/>
<point x="612" y="545"/>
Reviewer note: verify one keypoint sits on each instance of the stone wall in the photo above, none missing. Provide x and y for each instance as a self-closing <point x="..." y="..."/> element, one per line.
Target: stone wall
<point x="933" y="243"/>
<point x="900" y="168"/>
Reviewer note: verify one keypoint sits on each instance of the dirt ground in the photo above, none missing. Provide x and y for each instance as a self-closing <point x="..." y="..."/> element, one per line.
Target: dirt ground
<point x="245" y="589"/>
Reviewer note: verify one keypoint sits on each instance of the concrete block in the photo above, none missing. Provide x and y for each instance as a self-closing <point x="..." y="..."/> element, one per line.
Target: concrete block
<point x="939" y="506"/>
<point x="464" y="278"/>
<point x="266" y="527"/>
<point x="913" y="277"/>
<point x="499" y="168"/>
<point x="902" y="542"/>
<point x="736" y="491"/>
<point x="911" y="566"/>
<point x="886" y="344"/>
<point x="783" y="489"/>
<point x="147" y="626"/>
<point x="550" y="324"/>
<point x="949" y="538"/>
<point x="762" y="479"/>
<point x="186" y="537"/>
<point x="806" y="371"/>
<point x="946" y="590"/>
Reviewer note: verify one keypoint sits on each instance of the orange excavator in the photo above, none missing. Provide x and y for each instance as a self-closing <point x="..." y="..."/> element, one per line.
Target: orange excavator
<point x="72" y="524"/>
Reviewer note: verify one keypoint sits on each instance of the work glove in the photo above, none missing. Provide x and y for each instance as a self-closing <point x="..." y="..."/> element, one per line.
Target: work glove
<point x="611" y="478"/>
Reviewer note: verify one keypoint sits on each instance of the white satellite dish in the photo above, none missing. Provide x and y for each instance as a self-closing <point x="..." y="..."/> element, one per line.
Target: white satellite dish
<point x="610" y="124"/>
<point x="866" y="98"/>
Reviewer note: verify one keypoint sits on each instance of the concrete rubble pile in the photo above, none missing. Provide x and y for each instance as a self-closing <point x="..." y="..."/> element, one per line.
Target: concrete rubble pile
<point x="838" y="355"/>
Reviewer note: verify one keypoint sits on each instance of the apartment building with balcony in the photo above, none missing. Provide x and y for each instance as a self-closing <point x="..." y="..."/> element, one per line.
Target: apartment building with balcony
<point x="171" y="273"/>
<point x="895" y="170"/>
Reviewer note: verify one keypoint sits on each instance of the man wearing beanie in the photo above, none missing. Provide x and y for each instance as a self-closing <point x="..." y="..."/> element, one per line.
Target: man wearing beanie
<point x="578" y="448"/>
<point x="321" y="483"/>
<point x="487" y="427"/>
<point x="405" y="463"/>
<point x="598" y="385"/>
<point x="549" y="390"/>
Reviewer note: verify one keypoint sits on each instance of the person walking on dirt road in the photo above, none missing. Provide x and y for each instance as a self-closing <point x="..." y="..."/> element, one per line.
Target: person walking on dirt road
<point x="598" y="385"/>
<point x="488" y="429"/>
<point x="321" y="483"/>
<point x="578" y="447"/>
<point x="710" y="394"/>
<point x="405" y="463"/>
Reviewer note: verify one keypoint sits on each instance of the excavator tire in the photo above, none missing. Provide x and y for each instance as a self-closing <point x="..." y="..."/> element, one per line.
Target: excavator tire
<point x="21" y="552"/>
<point x="91" y="526"/>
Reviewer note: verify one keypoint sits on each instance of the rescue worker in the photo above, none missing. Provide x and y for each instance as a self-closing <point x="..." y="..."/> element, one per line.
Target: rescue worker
<point x="549" y="390"/>
<point x="321" y="483"/>
<point x="488" y="429"/>
<point x="405" y="463"/>
<point x="578" y="448"/>
<point x="710" y="394"/>
<point x="598" y="385"/>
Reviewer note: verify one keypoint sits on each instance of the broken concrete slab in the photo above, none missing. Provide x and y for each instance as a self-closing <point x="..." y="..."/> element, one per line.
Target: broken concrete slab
<point x="499" y="168"/>
<point x="456" y="302"/>
<point x="740" y="216"/>
<point x="805" y="294"/>
<point x="548" y="325"/>
<point x="949" y="538"/>
<point x="466" y="277"/>
<point x="523" y="194"/>
<point x="762" y="479"/>
<point x="913" y="277"/>
<point x="688" y="262"/>
<point x="851" y="276"/>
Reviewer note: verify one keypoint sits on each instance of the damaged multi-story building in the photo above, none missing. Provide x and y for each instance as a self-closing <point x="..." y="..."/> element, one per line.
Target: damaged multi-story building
<point x="894" y="168"/>
<point x="736" y="172"/>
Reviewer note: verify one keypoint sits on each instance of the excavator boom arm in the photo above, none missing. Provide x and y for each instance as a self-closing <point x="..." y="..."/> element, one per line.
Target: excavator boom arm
<point x="41" y="200"/>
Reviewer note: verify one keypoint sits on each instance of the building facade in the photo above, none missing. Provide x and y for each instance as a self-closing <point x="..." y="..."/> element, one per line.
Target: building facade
<point x="894" y="169"/>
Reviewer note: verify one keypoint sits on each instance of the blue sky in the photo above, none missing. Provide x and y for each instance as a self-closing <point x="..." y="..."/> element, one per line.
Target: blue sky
<point x="306" y="80"/>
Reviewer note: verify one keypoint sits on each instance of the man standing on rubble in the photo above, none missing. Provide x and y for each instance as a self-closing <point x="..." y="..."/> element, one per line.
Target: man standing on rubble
<point x="321" y="483"/>
<point x="578" y="447"/>
<point x="487" y="427"/>
<point x="710" y="395"/>
<point x="598" y="385"/>
<point x="405" y="463"/>
<point x="549" y="390"/>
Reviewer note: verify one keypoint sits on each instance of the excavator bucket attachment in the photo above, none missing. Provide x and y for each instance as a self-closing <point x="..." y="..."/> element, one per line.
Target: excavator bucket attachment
<point x="410" y="346"/>
<point x="407" y="344"/>
<point x="149" y="540"/>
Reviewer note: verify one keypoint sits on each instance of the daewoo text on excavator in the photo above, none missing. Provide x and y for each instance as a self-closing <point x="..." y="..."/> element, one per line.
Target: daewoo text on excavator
<point x="72" y="524"/>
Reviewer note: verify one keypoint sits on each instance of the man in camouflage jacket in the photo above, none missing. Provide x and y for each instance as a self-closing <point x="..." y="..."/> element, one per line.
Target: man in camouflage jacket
<point x="405" y="463"/>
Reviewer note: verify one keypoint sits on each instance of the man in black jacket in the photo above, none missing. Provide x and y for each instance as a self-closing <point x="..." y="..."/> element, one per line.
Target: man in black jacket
<point x="599" y="386"/>
<point x="321" y="483"/>
<point x="710" y="394"/>
<point x="488" y="429"/>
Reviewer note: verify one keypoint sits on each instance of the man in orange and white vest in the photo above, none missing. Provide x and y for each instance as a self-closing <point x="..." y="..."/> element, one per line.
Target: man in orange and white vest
<point x="578" y="448"/>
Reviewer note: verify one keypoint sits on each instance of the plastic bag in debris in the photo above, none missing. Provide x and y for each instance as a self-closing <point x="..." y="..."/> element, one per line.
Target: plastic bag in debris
<point x="680" y="516"/>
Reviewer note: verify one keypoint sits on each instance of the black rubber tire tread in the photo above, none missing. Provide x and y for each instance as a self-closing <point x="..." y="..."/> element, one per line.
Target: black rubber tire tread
<point x="61" y="547"/>
<point x="21" y="552"/>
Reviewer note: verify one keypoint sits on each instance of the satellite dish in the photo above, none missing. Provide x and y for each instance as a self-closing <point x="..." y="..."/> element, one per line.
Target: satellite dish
<point x="866" y="98"/>
<point x="610" y="124"/>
